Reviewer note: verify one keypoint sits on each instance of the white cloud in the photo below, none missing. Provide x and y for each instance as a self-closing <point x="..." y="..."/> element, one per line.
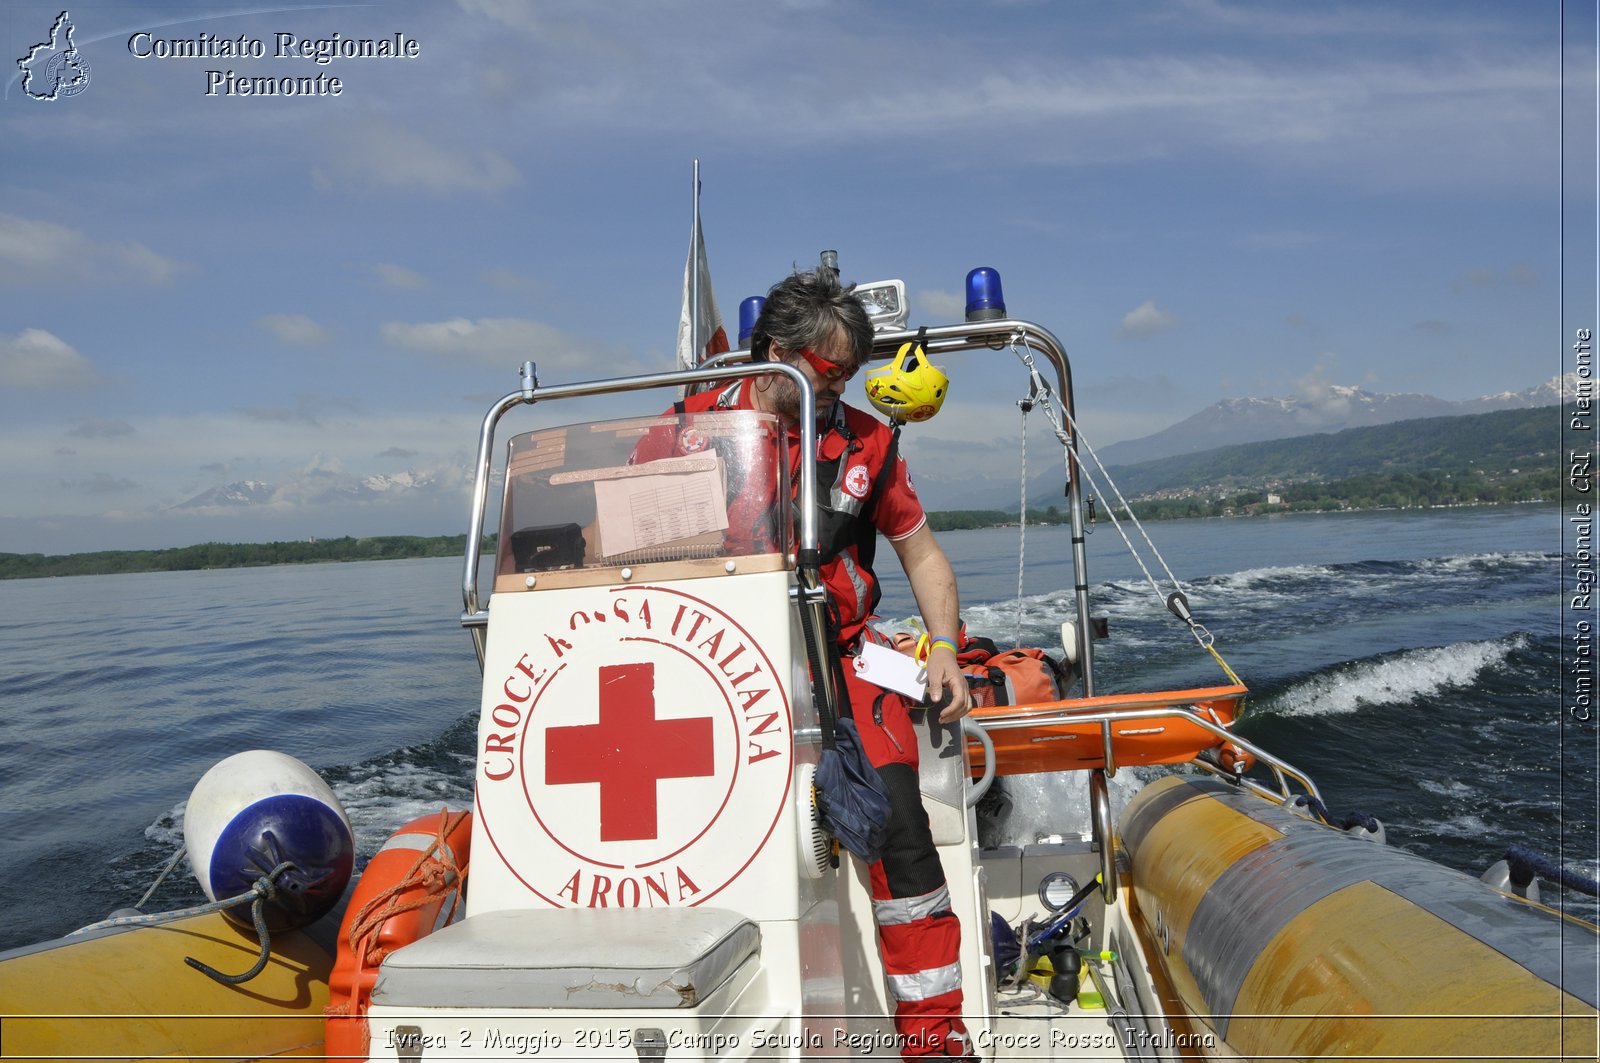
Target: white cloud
<point x="376" y="154"/>
<point x="1326" y="403"/>
<point x="101" y="428"/>
<point x="1146" y="320"/>
<point x="36" y="360"/>
<point x="946" y="306"/>
<point x="399" y="276"/>
<point x="297" y="330"/>
<point x="1519" y="274"/>
<point x="514" y="14"/>
<point x="1375" y="99"/>
<point x="41" y="252"/>
<point x="503" y="342"/>
<point x="175" y="457"/>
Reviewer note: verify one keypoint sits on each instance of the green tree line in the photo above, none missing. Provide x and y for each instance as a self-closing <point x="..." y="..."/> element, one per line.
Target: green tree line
<point x="1507" y="456"/>
<point x="958" y="519"/>
<point x="1503" y="443"/>
<point x="231" y="555"/>
<point x="1367" y="491"/>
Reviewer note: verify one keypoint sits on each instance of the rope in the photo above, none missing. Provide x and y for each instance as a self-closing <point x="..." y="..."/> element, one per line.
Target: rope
<point x="1365" y="820"/>
<point x="434" y="871"/>
<point x="1233" y="677"/>
<point x="1060" y="422"/>
<point x="157" y="918"/>
<point x="1022" y="525"/>
<point x="161" y="877"/>
<point x="265" y="889"/>
<point x="1526" y="863"/>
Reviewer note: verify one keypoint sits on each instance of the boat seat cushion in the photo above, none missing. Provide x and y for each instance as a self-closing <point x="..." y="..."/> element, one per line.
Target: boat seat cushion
<point x="571" y="958"/>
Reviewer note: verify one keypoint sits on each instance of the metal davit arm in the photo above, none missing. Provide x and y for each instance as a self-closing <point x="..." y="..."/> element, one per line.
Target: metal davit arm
<point x="475" y="618"/>
<point x="994" y="336"/>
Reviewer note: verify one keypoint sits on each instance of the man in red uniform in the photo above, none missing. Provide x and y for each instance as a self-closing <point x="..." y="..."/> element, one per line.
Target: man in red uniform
<point x="814" y="324"/>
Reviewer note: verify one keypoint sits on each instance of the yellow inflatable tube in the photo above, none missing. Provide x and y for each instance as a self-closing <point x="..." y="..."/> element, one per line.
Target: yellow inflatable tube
<point x="127" y="994"/>
<point x="1294" y="940"/>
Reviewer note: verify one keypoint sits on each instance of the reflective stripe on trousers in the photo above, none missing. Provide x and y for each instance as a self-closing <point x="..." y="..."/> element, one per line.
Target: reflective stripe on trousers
<point x="901" y="910"/>
<point x="925" y="984"/>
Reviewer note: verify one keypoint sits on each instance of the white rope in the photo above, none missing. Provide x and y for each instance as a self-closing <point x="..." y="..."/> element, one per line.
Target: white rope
<point x="1022" y="526"/>
<point x="1060" y="422"/>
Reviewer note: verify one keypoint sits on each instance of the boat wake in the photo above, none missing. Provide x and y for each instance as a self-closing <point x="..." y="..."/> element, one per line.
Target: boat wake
<point x="1405" y="678"/>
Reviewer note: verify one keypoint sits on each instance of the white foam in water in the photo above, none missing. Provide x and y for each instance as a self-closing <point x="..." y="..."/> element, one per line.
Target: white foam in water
<point x="1453" y="788"/>
<point x="1467" y="826"/>
<point x="1401" y="678"/>
<point x="1475" y="562"/>
<point x="1058" y="803"/>
<point x="392" y="796"/>
<point x="1251" y="578"/>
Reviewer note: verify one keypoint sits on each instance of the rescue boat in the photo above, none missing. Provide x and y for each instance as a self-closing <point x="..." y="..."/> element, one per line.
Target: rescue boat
<point x="644" y="873"/>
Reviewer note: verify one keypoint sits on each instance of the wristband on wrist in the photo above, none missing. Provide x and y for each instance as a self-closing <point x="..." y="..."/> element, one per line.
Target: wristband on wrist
<point x="949" y="644"/>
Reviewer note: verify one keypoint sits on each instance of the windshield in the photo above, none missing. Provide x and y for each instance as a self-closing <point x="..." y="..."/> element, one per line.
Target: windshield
<point x="644" y="490"/>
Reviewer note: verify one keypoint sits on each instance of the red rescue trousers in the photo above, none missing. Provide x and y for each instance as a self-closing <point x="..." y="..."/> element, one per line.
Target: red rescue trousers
<point x="919" y="937"/>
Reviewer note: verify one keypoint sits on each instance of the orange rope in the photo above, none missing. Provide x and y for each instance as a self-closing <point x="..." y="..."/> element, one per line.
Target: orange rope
<point x="434" y="871"/>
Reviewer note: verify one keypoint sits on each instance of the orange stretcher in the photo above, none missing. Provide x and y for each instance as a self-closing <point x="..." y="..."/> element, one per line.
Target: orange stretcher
<point x="1128" y="729"/>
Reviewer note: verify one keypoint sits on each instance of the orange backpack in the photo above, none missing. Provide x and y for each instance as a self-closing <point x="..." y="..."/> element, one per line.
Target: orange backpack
<point x="1003" y="677"/>
<point x="1013" y="677"/>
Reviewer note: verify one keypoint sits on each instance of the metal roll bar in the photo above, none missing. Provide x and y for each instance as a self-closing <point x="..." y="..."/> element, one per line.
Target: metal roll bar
<point x="474" y="617"/>
<point x="995" y="336"/>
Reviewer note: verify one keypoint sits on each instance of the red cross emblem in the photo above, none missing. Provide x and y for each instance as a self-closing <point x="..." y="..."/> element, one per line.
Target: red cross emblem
<point x="628" y="752"/>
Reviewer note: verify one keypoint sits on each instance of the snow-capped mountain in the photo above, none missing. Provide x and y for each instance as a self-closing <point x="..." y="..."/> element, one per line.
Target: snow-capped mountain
<point x="312" y="487"/>
<point x="1327" y="408"/>
<point x="238" y="495"/>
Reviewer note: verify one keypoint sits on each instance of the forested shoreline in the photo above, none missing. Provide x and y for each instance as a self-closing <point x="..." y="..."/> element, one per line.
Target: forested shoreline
<point x="1306" y="498"/>
<point x="1482" y="459"/>
<point x="231" y="555"/>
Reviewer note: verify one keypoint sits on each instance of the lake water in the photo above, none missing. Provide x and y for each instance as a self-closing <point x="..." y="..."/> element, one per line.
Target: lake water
<point x="1409" y="662"/>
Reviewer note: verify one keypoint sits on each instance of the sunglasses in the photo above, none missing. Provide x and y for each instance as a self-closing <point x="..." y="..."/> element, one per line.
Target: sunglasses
<point x="832" y="372"/>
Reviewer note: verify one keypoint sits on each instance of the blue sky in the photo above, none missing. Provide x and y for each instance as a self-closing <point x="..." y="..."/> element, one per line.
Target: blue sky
<point x="1202" y="199"/>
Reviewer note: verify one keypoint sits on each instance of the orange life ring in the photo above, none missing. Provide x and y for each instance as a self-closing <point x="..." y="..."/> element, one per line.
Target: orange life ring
<point x="400" y="898"/>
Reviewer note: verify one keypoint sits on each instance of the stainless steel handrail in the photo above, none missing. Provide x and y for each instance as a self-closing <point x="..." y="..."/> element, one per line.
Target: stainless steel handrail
<point x="1104" y="834"/>
<point x="1281" y="768"/>
<point x="993" y="336"/>
<point x="474" y="617"/>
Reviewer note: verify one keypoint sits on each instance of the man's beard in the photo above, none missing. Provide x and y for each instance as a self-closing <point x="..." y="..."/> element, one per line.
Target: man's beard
<point x="784" y="400"/>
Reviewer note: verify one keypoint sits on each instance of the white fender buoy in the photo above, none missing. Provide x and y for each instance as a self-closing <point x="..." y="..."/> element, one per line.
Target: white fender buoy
<point x="1069" y="641"/>
<point x="1379" y="835"/>
<point x="1499" y="876"/>
<point x="256" y="810"/>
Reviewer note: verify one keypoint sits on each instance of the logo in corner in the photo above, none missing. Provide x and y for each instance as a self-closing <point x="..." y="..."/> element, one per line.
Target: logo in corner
<point x="55" y="69"/>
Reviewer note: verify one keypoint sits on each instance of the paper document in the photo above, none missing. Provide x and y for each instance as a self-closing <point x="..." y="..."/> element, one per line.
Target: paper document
<point x="644" y="510"/>
<point x="892" y="670"/>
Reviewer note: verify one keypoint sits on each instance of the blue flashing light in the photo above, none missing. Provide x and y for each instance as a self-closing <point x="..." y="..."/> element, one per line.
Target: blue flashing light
<point x="749" y="310"/>
<point x="985" y="301"/>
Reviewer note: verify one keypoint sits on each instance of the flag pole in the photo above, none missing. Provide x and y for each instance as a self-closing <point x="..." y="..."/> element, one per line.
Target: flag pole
<point x="695" y="342"/>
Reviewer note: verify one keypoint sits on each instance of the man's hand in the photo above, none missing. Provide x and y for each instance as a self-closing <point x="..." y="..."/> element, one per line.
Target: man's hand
<point x="945" y="680"/>
<point x="933" y="583"/>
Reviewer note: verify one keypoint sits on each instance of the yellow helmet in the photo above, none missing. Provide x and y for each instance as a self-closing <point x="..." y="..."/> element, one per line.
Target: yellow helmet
<point x="904" y="393"/>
